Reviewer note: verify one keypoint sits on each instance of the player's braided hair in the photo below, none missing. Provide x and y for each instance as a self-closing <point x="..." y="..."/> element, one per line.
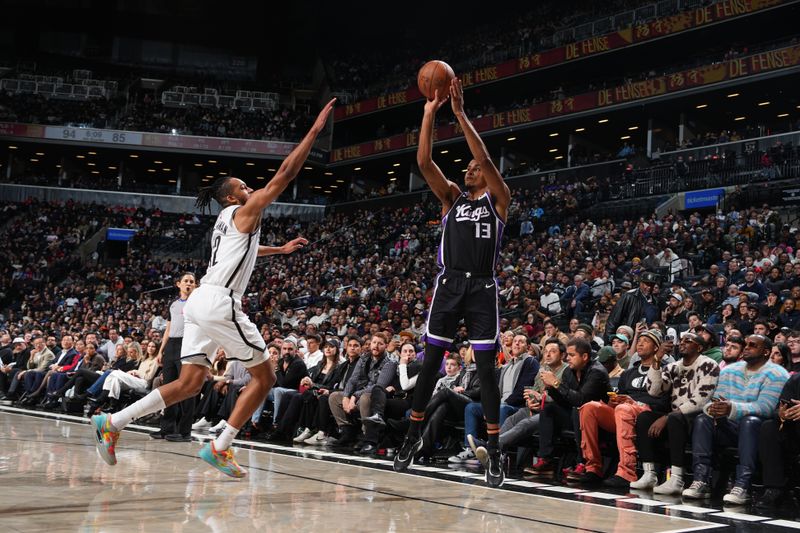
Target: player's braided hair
<point x="218" y="190"/>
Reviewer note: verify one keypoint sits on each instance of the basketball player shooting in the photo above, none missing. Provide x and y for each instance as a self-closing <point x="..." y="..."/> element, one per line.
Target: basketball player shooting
<point x="213" y="314"/>
<point x="465" y="288"/>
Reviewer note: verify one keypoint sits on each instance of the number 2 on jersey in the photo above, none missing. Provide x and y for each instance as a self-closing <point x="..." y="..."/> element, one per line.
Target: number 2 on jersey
<point x="483" y="230"/>
<point x="216" y="248"/>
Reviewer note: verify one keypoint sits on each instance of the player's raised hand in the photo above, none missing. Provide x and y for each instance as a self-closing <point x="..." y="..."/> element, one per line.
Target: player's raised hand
<point x="432" y="106"/>
<point x="322" y="118"/>
<point x="457" y="96"/>
<point x="294" y="245"/>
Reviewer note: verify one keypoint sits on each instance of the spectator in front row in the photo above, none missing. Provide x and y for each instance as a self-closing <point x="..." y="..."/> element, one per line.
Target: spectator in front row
<point x="690" y="383"/>
<point x="451" y="395"/>
<point x="619" y="415"/>
<point x="517" y="373"/>
<point x="583" y="381"/>
<point x="747" y="394"/>
<point x="374" y="368"/>
<point x="779" y="443"/>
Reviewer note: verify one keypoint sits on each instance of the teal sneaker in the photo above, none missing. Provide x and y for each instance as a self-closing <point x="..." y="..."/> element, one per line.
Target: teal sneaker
<point x="105" y="438"/>
<point x="222" y="461"/>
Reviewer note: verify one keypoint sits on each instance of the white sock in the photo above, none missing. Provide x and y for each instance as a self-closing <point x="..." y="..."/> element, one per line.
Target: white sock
<point x="224" y="440"/>
<point x="676" y="472"/>
<point x="149" y="404"/>
<point x="649" y="467"/>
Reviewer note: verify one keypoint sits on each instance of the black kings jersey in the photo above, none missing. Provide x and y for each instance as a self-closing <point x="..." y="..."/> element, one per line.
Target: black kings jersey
<point x="471" y="233"/>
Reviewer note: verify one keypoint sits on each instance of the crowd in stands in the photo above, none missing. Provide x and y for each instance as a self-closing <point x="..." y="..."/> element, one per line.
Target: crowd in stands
<point x="588" y="307"/>
<point x="489" y="43"/>
<point x="260" y="124"/>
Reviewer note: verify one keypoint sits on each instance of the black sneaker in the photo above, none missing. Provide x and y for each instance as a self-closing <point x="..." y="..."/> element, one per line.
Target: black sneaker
<point x="494" y="469"/>
<point x="770" y="498"/>
<point x="617" y="482"/>
<point x="405" y="457"/>
<point x="177" y="437"/>
<point x="590" y="479"/>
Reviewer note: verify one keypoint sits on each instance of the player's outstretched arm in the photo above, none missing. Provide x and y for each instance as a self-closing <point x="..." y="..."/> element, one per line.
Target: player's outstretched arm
<point x="249" y="215"/>
<point x="444" y="189"/>
<point x="289" y="247"/>
<point x="497" y="187"/>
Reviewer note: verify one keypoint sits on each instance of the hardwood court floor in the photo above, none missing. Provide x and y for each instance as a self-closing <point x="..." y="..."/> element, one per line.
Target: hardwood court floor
<point x="54" y="481"/>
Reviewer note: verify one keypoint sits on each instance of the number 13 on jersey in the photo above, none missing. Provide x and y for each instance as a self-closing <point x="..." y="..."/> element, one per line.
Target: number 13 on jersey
<point x="483" y="230"/>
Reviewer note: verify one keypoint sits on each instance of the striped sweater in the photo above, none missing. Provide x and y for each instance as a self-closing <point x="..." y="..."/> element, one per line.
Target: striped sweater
<point x="752" y="393"/>
<point x="690" y="387"/>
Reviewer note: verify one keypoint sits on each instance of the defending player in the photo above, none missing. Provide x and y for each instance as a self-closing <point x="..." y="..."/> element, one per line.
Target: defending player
<point x="213" y="315"/>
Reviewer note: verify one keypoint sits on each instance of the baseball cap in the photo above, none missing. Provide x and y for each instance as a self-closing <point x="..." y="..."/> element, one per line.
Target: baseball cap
<point x="677" y="296"/>
<point x="587" y="328"/>
<point x="18" y="340"/>
<point x="332" y="342"/>
<point x="621" y="337"/>
<point x="605" y="354"/>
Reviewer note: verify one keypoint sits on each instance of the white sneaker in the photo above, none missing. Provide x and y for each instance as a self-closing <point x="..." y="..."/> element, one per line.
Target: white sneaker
<point x="317" y="440"/>
<point x="737" y="496"/>
<point x="648" y="480"/>
<point x="698" y="490"/>
<point x="463" y="456"/>
<point x="306" y="433"/>
<point x="201" y="424"/>
<point x="217" y="428"/>
<point x="674" y="485"/>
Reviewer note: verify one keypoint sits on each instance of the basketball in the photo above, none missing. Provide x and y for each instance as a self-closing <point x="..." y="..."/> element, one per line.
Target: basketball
<point x="435" y="75"/>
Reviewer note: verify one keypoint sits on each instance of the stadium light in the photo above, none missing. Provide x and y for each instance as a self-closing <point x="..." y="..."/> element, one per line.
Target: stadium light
<point x="443" y="151"/>
<point x="132" y="156"/>
<point x="250" y="164"/>
<point x="457" y="160"/>
<point x="554" y="134"/>
<point x="511" y="139"/>
<point x="553" y="150"/>
<point x="396" y="165"/>
<point x="84" y="157"/>
<point x="733" y="95"/>
<point x="632" y="128"/>
<point x="390" y="172"/>
<point x="339" y="181"/>
<point x="701" y="106"/>
<point x="39" y="153"/>
<point x="14" y="147"/>
<point x="559" y="157"/>
<point x="762" y="104"/>
<point x="198" y="164"/>
<point x="783" y="115"/>
<point x="602" y="121"/>
<point x="740" y="118"/>
<point x="625" y="137"/>
<point x="578" y="130"/>
<point x="158" y="162"/>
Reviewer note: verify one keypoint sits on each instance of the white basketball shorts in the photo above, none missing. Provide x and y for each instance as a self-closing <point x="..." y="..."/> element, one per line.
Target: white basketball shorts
<point x="213" y="318"/>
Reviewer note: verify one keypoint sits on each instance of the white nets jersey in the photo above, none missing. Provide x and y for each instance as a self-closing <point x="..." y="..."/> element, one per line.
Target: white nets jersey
<point x="233" y="254"/>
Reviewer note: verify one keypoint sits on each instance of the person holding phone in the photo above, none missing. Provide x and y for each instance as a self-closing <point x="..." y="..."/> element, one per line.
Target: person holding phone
<point x="690" y="383"/>
<point x="779" y="444"/>
<point x="746" y="396"/>
<point x="618" y="416"/>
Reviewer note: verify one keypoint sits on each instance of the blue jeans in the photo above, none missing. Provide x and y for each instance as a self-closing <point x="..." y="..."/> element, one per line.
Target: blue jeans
<point x="742" y="434"/>
<point x="473" y="417"/>
<point x="256" y="416"/>
<point x="97" y="386"/>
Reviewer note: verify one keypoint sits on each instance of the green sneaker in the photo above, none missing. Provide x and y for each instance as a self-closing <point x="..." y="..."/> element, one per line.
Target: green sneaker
<point x="222" y="461"/>
<point x="106" y="438"/>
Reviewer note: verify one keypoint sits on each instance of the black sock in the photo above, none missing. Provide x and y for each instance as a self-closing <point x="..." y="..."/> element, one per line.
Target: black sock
<point x="426" y="380"/>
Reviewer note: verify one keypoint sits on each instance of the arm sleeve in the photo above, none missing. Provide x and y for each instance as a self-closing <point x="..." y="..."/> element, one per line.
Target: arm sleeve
<point x="406" y="383"/>
<point x="658" y="381"/>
